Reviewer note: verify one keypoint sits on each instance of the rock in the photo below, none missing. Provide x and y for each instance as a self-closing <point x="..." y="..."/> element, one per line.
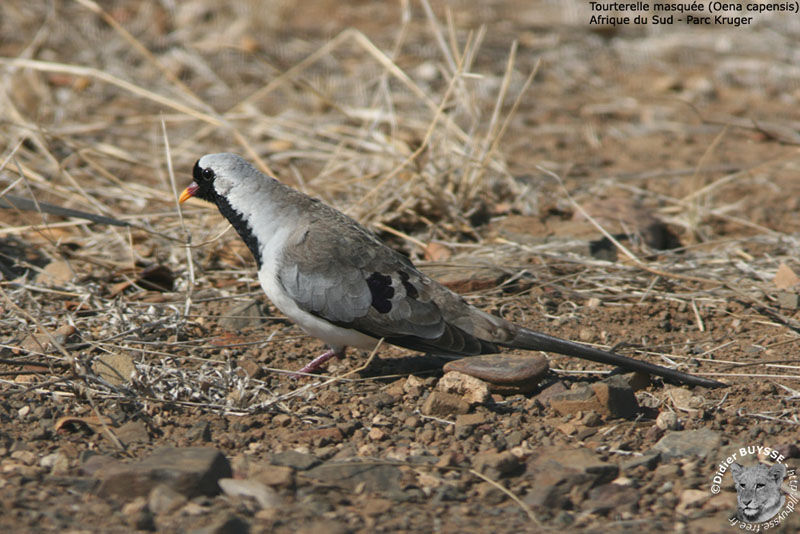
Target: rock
<point x="439" y="404"/>
<point x="138" y="515"/>
<point x="164" y="500"/>
<point x="551" y="487"/>
<point x="190" y="471"/>
<point x="224" y="523"/>
<point x="133" y="432"/>
<point x="648" y="459"/>
<point x="376" y="434"/>
<point x="638" y="380"/>
<point x="57" y="463"/>
<point x="379" y="478"/>
<point x="579" y="399"/>
<point x="788" y="301"/>
<point x="686" y="443"/>
<point x="413" y="386"/>
<point x="471" y="389"/>
<point x="692" y="498"/>
<point x="505" y="373"/>
<point x="327" y="526"/>
<point x="200" y="431"/>
<point x="272" y="475"/>
<point x="24" y="456"/>
<point x="785" y="277"/>
<point x="607" y="497"/>
<point x="558" y="474"/>
<point x="55" y="273"/>
<point x="296" y="460"/>
<point x="95" y="464"/>
<point x="251" y="367"/>
<point x="547" y="393"/>
<point x="667" y="421"/>
<point x="115" y="368"/>
<point x="470" y="420"/>
<point x="685" y="400"/>
<point x="496" y="464"/>
<point x="253" y="489"/>
<point x="616" y="397"/>
<point x="612" y="397"/>
<point x="241" y="315"/>
<point x="375" y="507"/>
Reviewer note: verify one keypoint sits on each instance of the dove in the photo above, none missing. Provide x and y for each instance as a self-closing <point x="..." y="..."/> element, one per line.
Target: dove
<point x="338" y="282"/>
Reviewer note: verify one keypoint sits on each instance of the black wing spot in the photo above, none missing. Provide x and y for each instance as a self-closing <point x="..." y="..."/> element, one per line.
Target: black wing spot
<point x="380" y="286"/>
<point x="411" y="291"/>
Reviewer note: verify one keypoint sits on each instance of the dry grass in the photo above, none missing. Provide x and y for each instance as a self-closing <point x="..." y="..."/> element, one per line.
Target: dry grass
<point x="106" y="112"/>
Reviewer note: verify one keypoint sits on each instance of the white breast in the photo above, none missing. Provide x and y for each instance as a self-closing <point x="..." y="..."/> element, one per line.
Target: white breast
<point x="335" y="336"/>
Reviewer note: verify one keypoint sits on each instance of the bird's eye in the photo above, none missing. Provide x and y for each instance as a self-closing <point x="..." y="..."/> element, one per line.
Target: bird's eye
<point x="208" y="174"/>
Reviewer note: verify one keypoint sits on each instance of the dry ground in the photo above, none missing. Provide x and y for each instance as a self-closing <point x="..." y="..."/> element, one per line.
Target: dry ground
<point x="681" y="141"/>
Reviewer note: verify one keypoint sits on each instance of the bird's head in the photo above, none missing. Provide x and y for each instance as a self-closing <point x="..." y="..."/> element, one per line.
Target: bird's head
<point x="216" y="174"/>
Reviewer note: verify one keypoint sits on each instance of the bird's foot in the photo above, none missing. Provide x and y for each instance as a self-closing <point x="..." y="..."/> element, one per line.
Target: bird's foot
<point x="317" y="363"/>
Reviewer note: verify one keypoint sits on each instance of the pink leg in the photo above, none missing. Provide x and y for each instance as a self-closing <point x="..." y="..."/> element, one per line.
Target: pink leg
<point x="318" y="362"/>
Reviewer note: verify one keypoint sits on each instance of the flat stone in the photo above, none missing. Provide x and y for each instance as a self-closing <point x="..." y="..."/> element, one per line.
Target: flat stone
<point x="505" y="373"/>
<point x="115" y="368"/>
<point x="190" y="471"/>
<point x="296" y="460"/>
<point x="473" y="390"/>
<point x="242" y="315"/>
<point x="440" y="404"/>
<point x="372" y="477"/>
<point x="688" y="443"/>
<point x="252" y="489"/>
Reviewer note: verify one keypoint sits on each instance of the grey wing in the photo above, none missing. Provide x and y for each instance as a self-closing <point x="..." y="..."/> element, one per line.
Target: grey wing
<point x="348" y="277"/>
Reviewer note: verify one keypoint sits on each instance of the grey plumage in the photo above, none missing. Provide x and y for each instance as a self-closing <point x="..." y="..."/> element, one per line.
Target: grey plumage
<point x="339" y="282"/>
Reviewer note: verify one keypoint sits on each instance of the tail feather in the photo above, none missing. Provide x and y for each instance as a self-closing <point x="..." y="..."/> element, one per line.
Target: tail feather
<point x="530" y="340"/>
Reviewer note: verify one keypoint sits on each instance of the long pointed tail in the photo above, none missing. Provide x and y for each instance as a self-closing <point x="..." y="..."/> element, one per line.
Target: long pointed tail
<point x="530" y="340"/>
